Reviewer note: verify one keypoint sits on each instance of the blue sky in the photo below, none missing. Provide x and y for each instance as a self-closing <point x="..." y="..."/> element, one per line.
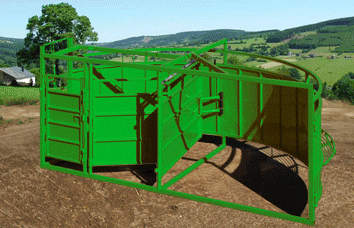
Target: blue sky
<point x="116" y="20"/>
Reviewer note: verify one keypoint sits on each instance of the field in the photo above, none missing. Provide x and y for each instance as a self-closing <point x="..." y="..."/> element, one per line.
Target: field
<point x="18" y="95"/>
<point x="328" y="70"/>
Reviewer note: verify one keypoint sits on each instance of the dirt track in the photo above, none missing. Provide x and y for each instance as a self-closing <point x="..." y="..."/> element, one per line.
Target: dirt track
<point x="274" y="64"/>
<point x="34" y="197"/>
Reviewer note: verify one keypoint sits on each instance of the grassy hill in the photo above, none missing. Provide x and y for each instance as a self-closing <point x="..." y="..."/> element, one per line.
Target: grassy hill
<point x="339" y="32"/>
<point x="288" y="33"/>
<point x="8" y="49"/>
<point x="185" y="38"/>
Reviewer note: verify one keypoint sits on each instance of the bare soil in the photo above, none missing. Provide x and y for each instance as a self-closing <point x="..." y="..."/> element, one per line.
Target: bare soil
<point x="244" y="172"/>
<point x="274" y="64"/>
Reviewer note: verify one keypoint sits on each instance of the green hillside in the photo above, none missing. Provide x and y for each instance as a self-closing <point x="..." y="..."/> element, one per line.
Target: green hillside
<point x="341" y="36"/>
<point x="8" y="49"/>
<point x="185" y="38"/>
<point x="288" y="33"/>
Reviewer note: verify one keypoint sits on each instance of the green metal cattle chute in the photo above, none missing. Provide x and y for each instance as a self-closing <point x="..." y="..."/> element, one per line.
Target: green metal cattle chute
<point x="109" y="113"/>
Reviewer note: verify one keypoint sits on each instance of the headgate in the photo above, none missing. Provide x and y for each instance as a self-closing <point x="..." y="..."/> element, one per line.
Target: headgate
<point x="111" y="113"/>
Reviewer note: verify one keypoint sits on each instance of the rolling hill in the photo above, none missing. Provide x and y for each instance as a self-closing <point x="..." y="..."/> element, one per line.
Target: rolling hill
<point x="184" y="38"/>
<point x="8" y="49"/>
<point x="338" y="33"/>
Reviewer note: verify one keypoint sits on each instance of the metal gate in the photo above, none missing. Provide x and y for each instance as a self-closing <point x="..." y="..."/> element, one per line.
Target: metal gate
<point x="64" y="124"/>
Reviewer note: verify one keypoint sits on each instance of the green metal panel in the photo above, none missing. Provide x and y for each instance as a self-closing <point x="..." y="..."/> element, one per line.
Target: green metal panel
<point x="180" y="120"/>
<point x="120" y="120"/>
<point x="64" y="126"/>
<point x="209" y="90"/>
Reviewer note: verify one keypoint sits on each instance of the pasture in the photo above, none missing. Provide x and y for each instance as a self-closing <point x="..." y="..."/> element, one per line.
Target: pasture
<point x="18" y="95"/>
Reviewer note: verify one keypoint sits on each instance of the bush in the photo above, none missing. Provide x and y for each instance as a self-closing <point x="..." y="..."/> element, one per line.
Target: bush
<point x="327" y="92"/>
<point x="294" y="73"/>
<point x="36" y="72"/>
<point x="291" y="72"/>
<point x="250" y="59"/>
<point x="233" y="60"/>
<point x="207" y="56"/>
<point x="344" y="88"/>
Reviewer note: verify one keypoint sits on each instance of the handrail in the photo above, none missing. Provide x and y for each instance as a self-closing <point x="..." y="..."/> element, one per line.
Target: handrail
<point x="330" y="143"/>
<point x="307" y="71"/>
<point x="56" y="41"/>
<point x="310" y="73"/>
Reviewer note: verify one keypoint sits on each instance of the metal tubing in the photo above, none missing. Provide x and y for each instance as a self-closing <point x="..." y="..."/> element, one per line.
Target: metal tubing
<point x="227" y="76"/>
<point x="279" y="61"/>
<point x="195" y="165"/>
<point x="43" y="102"/>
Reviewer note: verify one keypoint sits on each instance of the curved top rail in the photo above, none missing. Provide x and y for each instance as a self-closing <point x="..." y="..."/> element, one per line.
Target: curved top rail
<point x="308" y="72"/>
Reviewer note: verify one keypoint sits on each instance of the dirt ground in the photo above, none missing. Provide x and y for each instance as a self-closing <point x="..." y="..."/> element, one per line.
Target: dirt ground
<point x="35" y="197"/>
<point x="274" y="64"/>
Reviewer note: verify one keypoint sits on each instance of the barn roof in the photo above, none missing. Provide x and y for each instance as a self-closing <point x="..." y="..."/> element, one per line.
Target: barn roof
<point x="17" y="72"/>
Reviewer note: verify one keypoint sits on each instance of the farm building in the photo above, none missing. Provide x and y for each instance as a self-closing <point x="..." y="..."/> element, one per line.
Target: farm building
<point x="22" y="76"/>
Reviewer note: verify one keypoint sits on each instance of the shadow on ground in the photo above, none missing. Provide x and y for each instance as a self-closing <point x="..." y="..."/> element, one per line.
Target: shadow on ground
<point x="277" y="183"/>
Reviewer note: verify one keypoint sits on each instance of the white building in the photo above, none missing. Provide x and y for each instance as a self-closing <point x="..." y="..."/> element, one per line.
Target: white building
<point x="7" y="75"/>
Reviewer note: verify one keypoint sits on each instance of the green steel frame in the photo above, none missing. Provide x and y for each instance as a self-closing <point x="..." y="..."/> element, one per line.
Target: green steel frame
<point x="105" y="92"/>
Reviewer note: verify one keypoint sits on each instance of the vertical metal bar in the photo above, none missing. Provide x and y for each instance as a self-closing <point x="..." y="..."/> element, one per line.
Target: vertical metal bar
<point x="240" y="98"/>
<point x="54" y="59"/>
<point x="159" y="129"/>
<point x="43" y="102"/>
<point x="92" y="116"/>
<point x="307" y="78"/>
<point x="261" y="106"/>
<point x="297" y="120"/>
<point x="70" y="65"/>
<point x="225" y="54"/>
<point x="280" y="124"/>
<point x="200" y="124"/>
<point x="83" y="125"/>
<point x="216" y="93"/>
<point x="311" y="157"/>
<point x="146" y="57"/>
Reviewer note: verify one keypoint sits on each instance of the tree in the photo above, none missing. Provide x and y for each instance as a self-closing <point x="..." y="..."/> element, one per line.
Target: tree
<point x="344" y="88"/>
<point x="233" y="60"/>
<point x="35" y="71"/>
<point x="207" y="56"/>
<point x="291" y="72"/>
<point x="294" y="73"/>
<point x="58" y="21"/>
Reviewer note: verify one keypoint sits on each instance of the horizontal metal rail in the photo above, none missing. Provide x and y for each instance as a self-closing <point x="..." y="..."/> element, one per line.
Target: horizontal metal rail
<point x="195" y="165"/>
<point x="310" y="73"/>
<point x="227" y="76"/>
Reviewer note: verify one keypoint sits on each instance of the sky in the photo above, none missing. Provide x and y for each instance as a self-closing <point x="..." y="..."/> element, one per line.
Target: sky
<point x="117" y="20"/>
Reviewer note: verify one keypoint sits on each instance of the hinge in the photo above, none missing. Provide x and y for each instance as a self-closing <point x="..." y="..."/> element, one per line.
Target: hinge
<point x="221" y="103"/>
<point x="219" y="110"/>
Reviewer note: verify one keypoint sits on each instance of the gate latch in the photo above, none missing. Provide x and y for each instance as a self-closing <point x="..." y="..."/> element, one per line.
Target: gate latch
<point x="220" y="108"/>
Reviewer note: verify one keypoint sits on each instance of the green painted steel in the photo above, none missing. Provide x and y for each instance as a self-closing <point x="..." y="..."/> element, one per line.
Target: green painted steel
<point x="138" y="113"/>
